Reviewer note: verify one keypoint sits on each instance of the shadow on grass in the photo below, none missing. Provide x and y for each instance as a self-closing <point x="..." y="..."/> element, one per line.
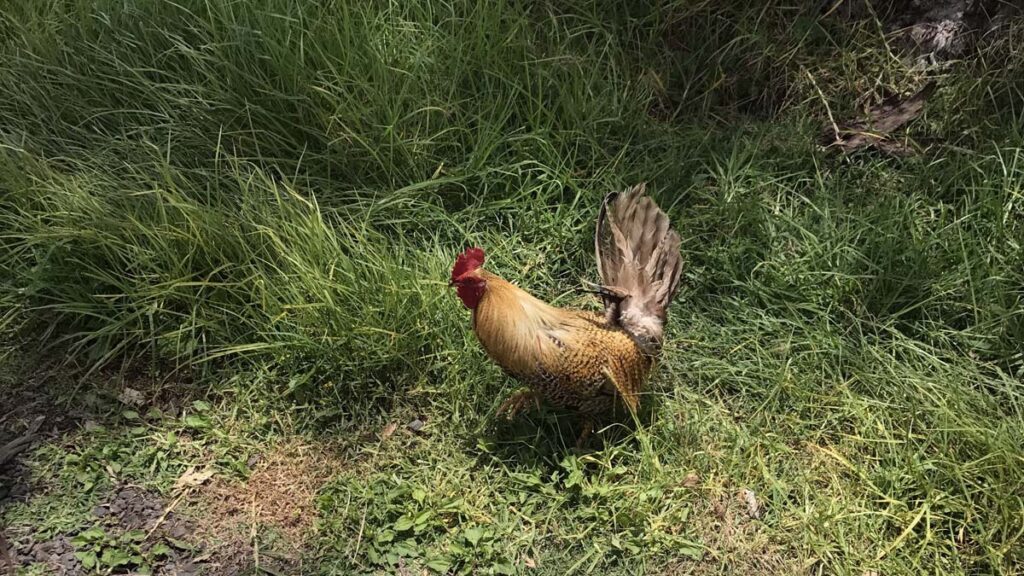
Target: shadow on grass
<point x="542" y="438"/>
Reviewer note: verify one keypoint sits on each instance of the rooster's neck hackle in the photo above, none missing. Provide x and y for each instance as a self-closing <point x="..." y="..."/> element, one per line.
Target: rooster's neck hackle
<point x="516" y="329"/>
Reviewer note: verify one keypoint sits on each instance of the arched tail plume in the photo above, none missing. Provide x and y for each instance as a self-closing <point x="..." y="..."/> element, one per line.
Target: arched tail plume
<point x="639" y="263"/>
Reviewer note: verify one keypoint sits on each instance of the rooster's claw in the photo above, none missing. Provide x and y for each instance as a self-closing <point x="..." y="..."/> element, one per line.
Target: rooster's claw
<point x="517" y="401"/>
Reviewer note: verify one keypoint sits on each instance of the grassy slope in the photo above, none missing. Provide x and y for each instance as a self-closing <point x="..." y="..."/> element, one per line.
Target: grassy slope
<point x="271" y="195"/>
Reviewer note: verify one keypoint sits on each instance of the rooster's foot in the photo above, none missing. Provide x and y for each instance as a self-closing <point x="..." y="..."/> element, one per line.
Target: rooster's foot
<point x="517" y="401"/>
<point x="588" y="427"/>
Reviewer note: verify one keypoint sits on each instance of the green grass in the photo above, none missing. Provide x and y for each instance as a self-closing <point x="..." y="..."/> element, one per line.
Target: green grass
<point x="268" y="197"/>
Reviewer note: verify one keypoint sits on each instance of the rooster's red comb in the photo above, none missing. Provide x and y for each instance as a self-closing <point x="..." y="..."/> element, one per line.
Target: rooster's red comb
<point x="468" y="261"/>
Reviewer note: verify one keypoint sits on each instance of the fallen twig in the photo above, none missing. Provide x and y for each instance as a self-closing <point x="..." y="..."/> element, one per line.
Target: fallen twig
<point x="16" y="446"/>
<point x="166" y="512"/>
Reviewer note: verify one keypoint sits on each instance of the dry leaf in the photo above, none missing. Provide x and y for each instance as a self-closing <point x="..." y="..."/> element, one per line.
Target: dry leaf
<point x="692" y="480"/>
<point x="880" y="121"/>
<point x="529" y="562"/>
<point x="193" y="477"/>
<point x="132" y="397"/>
<point x="388" y="431"/>
<point x="719" y="509"/>
<point x="753" y="506"/>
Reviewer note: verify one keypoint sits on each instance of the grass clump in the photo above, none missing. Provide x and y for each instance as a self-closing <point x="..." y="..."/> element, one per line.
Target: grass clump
<point x="268" y="198"/>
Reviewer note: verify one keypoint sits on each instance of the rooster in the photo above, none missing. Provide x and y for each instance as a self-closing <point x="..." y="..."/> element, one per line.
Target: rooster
<point x="591" y="362"/>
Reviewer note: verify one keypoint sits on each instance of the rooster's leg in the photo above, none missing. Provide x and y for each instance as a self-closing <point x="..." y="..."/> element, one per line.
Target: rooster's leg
<point x="588" y="427"/>
<point x="517" y="401"/>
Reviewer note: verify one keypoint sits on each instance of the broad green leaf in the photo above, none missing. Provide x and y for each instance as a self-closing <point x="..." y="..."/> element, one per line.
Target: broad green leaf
<point x="134" y="536"/>
<point x="473" y="535"/>
<point x="440" y="565"/>
<point x="93" y="534"/>
<point x="87" y="558"/>
<point x="197" y="421"/>
<point x="114" y="557"/>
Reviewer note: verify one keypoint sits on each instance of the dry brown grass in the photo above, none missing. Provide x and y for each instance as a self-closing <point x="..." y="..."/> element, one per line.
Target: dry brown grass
<point x="736" y="543"/>
<point x="278" y="498"/>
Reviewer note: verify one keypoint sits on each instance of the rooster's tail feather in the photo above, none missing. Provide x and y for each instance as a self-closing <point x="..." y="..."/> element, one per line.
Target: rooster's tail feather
<point x="639" y="262"/>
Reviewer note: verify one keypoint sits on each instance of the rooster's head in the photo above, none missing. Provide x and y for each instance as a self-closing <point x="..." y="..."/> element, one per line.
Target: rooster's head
<point x="469" y="285"/>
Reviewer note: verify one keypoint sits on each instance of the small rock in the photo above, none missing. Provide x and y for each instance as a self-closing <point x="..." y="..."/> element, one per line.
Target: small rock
<point x="178" y="531"/>
<point x="416" y="425"/>
<point x="69" y="562"/>
<point x="62" y="544"/>
<point x="100" y="511"/>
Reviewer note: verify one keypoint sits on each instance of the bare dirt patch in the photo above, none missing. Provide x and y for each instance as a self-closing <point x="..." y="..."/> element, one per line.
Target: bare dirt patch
<point x="127" y="508"/>
<point x="221" y="527"/>
<point x="266" y="519"/>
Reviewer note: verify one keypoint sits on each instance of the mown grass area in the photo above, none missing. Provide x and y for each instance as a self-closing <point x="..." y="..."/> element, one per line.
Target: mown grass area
<point x="257" y="204"/>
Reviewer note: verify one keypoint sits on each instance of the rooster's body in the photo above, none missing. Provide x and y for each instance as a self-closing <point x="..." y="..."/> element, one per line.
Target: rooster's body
<point x="582" y="360"/>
